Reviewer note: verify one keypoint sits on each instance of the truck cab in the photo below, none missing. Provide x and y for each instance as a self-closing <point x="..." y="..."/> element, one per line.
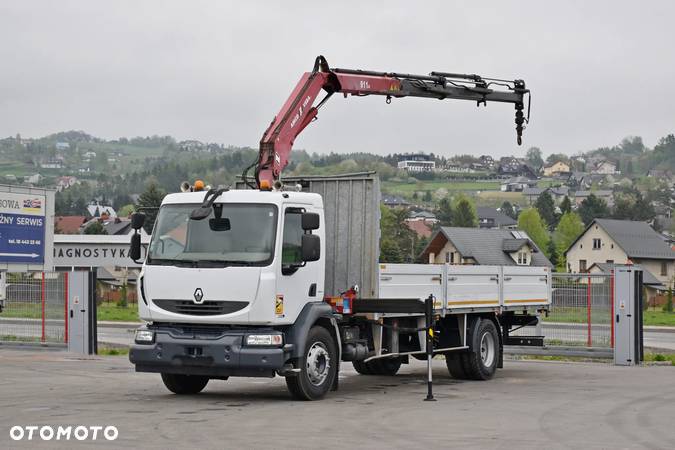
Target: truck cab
<point x="234" y="292"/>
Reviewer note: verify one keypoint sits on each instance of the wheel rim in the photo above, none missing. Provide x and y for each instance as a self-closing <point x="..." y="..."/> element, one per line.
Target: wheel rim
<point x="487" y="349"/>
<point x="318" y="363"/>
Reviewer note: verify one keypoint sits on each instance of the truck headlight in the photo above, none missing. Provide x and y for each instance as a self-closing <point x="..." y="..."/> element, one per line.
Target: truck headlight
<point x="144" y="337"/>
<point x="264" y="339"/>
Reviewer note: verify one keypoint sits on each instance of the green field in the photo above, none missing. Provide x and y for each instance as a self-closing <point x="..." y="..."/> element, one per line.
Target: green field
<point x="110" y="311"/>
<point x="578" y="315"/>
<point x="104" y="311"/>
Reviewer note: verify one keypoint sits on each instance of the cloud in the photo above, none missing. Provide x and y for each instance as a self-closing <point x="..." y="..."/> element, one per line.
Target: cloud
<point x="219" y="71"/>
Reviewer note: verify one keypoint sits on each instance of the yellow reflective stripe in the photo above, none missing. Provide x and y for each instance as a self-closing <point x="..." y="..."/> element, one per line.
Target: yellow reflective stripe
<point x="529" y="300"/>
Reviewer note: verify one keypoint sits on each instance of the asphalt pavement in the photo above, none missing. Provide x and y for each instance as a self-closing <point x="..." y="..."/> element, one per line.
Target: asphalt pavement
<point x="529" y="404"/>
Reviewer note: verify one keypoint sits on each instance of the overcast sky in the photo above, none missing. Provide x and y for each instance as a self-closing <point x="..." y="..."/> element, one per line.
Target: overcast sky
<point x="219" y="71"/>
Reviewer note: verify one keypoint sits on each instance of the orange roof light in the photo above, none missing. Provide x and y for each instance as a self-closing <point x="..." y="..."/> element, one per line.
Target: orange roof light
<point x="199" y="185"/>
<point x="265" y="185"/>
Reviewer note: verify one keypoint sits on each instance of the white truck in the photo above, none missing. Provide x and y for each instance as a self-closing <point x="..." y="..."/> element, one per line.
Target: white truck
<point x="283" y="279"/>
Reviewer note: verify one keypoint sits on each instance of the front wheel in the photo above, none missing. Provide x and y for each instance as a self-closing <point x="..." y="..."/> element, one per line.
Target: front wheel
<point x="318" y="367"/>
<point x="184" y="384"/>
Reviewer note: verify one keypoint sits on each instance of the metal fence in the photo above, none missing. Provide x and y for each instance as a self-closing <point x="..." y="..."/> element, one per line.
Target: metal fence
<point x="35" y="307"/>
<point x="581" y="312"/>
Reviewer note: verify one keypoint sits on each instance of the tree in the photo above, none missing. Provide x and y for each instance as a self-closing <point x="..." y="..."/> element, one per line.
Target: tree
<point x="531" y="222"/>
<point x="668" y="307"/>
<point x="568" y="230"/>
<point x="565" y="205"/>
<point x="444" y="212"/>
<point x="507" y="208"/>
<point x="591" y="208"/>
<point x="126" y="210"/>
<point x="552" y="253"/>
<point x="464" y="214"/>
<point x="149" y="203"/>
<point x="533" y="156"/>
<point x="546" y="208"/>
<point x="427" y="196"/>
<point x="95" y="228"/>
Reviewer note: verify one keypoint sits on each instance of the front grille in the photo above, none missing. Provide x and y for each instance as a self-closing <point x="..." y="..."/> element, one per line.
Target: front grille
<point x="208" y="308"/>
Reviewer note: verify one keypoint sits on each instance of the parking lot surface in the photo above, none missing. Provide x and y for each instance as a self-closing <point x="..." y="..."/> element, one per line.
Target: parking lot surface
<point x="529" y="404"/>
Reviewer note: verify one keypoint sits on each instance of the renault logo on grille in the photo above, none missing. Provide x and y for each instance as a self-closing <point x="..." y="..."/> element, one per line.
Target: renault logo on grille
<point x="199" y="296"/>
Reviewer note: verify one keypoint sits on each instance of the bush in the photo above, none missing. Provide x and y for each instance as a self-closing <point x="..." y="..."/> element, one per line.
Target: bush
<point x="668" y="307"/>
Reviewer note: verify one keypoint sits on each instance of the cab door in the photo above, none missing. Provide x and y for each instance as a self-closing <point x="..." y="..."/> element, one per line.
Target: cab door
<point x="298" y="281"/>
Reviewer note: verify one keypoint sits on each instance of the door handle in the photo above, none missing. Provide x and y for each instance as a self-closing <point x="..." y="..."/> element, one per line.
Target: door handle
<point x="71" y="313"/>
<point x="617" y="318"/>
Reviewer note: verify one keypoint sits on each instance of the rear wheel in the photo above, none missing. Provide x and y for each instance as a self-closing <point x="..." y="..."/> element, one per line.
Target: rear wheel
<point x="318" y="367"/>
<point x="384" y="366"/>
<point x="456" y="365"/>
<point x="184" y="384"/>
<point x="480" y="362"/>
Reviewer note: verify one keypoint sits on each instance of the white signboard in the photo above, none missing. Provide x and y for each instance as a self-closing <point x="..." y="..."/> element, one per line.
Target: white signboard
<point x="88" y="250"/>
<point x="26" y="228"/>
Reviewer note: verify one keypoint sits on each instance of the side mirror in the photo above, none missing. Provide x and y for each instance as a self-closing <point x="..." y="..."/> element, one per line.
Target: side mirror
<point x="311" y="247"/>
<point x="135" y="249"/>
<point x="310" y="221"/>
<point x="137" y="220"/>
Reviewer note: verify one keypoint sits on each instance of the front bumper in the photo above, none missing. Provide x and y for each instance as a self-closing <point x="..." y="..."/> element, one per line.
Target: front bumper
<point x="216" y="354"/>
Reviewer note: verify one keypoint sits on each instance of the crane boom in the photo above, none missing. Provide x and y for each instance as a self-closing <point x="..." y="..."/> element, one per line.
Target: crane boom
<point x="299" y="109"/>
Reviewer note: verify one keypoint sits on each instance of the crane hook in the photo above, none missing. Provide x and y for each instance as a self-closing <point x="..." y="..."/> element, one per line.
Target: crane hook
<point x="388" y="100"/>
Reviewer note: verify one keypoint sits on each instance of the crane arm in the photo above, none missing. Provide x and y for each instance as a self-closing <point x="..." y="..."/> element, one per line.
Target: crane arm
<point x="299" y="109"/>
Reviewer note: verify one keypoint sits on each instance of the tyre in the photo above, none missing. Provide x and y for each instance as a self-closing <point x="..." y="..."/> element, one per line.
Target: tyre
<point x="184" y="384"/>
<point x="318" y="367"/>
<point x="455" y="365"/>
<point x="480" y="362"/>
<point x="362" y="367"/>
<point x="384" y="366"/>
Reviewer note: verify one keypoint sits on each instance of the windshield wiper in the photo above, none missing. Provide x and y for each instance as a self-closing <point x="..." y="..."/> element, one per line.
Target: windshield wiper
<point x="171" y="262"/>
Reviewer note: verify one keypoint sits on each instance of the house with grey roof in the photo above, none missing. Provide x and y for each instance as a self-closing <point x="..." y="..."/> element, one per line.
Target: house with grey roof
<point x="622" y="242"/>
<point x="491" y="218"/>
<point x="653" y="286"/>
<point x="483" y="246"/>
<point x="606" y="195"/>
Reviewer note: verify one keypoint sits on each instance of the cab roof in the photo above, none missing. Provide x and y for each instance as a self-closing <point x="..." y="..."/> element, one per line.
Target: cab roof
<point x="247" y="196"/>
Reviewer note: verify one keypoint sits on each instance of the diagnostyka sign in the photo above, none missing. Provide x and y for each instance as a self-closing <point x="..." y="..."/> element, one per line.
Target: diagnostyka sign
<point x="22" y="227"/>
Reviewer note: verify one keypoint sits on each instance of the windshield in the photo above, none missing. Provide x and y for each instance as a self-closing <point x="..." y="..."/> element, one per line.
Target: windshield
<point x="233" y="234"/>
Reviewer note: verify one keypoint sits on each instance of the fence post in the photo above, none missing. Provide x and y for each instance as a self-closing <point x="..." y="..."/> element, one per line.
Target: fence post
<point x="611" y="303"/>
<point x="589" y="342"/>
<point x="42" y="299"/>
<point x="65" y="303"/>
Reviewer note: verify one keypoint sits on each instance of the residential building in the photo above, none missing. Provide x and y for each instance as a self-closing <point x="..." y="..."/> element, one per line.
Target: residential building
<point x="517" y="184"/>
<point x="68" y="224"/>
<point x="422" y="215"/>
<point x="394" y="201"/>
<point x="33" y="179"/>
<point x="606" y="195"/>
<point x="491" y="218"/>
<point x="481" y="246"/>
<point x="653" y="286"/>
<point x="622" y="242"/>
<point x="62" y="146"/>
<point x="421" y="228"/>
<point x="487" y="161"/>
<point x="94" y="209"/>
<point x="417" y="163"/>
<point x="112" y="225"/>
<point x="52" y="164"/>
<point x="516" y="168"/>
<point x="558" y="193"/>
<point x="531" y="194"/>
<point x="65" y="182"/>
<point x="556" y="169"/>
<point x="604" y="167"/>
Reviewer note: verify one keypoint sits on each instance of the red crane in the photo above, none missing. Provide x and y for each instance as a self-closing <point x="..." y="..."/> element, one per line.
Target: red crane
<point x="299" y="110"/>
